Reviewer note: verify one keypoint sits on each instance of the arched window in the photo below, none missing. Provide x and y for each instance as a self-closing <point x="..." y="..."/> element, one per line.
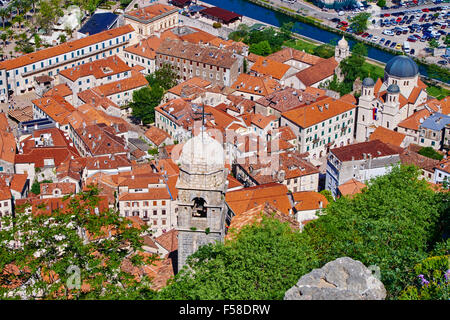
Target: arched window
<point x="199" y="210"/>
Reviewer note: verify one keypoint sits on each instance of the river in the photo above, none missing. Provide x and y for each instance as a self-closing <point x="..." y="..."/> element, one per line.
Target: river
<point x="275" y="18"/>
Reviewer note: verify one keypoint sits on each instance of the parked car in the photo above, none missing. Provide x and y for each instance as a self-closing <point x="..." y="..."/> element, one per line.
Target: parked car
<point x="443" y="62"/>
<point x="393" y="44"/>
<point x="412" y="51"/>
<point x="387" y="42"/>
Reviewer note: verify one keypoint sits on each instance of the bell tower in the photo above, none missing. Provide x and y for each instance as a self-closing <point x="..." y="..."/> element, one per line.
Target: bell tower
<point x="201" y="185"/>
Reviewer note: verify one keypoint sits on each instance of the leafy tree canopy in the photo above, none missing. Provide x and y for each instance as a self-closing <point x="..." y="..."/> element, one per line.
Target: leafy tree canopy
<point x="75" y="254"/>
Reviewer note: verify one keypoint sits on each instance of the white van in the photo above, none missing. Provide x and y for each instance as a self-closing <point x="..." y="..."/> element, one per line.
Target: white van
<point x="406" y="47"/>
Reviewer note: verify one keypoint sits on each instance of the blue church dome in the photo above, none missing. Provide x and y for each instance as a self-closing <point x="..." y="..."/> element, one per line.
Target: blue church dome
<point x="393" y="88"/>
<point x="402" y="67"/>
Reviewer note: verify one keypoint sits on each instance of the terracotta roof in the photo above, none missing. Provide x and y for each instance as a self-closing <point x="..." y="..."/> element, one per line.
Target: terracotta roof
<point x="317" y="72"/>
<point x="285" y="132"/>
<point x="233" y="182"/>
<point x="64" y="187"/>
<point x="268" y="67"/>
<point x="287" y="99"/>
<point x="156" y="135"/>
<point x="145" y="48"/>
<point x="198" y="53"/>
<point x="444" y="165"/>
<point x="442" y="106"/>
<point x="100" y="139"/>
<point x="61" y="89"/>
<point x="96" y="99"/>
<point x="187" y="33"/>
<point x="351" y="187"/>
<point x="56" y="107"/>
<point x="287" y="54"/>
<point x="356" y="151"/>
<point x="408" y="156"/>
<point x="186" y="88"/>
<point x="137" y="80"/>
<point x="5" y="193"/>
<point x="273" y="193"/>
<point x="168" y="240"/>
<point x="7" y="142"/>
<point x="38" y="155"/>
<point x="253" y="57"/>
<point x="255" y="85"/>
<point x="413" y="121"/>
<point x="309" y="200"/>
<point x="65" y="47"/>
<point x="152" y="194"/>
<point x="22" y="114"/>
<point x="254" y="216"/>
<point x="262" y="121"/>
<point x="388" y="136"/>
<point x="308" y="115"/>
<point x="15" y="181"/>
<point x="99" y="69"/>
<point x="106" y="162"/>
<point x="151" y="12"/>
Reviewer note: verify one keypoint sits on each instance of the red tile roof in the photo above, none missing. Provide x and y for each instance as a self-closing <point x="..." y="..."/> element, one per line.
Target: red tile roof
<point x="356" y="151"/>
<point x="65" y="47"/>
<point x="317" y="72"/>
<point x="388" y="136"/>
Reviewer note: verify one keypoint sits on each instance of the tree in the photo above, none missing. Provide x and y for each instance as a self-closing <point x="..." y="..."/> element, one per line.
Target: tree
<point x="381" y="3"/>
<point x="261" y="48"/>
<point x="165" y="77"/>
<point x="324" y="51"/>
<point x="390" y="225"/>
<point x="433" y="43"/>
<point x="262" y="262"/>
<point x="37" y="41"/>
<point x="327" y="194"/>
<point x="62" y="38"/>
<point x="73" y="253"/>
<point x="360" y="49"/>
<point x="359" y="22"/>
<point x="144" y="102"/>
<point x="4" y="37"/>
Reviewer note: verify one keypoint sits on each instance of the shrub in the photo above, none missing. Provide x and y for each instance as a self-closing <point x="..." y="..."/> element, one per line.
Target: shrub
<point x="217" y="25"/>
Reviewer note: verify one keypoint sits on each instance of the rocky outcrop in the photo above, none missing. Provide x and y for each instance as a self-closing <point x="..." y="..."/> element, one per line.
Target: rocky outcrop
<point x="341" y="279"/>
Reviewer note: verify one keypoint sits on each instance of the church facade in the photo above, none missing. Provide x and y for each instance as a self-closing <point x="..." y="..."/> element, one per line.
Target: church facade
<point x="389" y="101"/>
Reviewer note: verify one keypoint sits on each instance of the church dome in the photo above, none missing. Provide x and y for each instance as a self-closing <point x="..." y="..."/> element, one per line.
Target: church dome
<point x="343" y="44"/>
<point x="368" y="82"/>
<point x="202" y="154"/>
<point x="393" y="88"/>
<point x="402" y="67"/>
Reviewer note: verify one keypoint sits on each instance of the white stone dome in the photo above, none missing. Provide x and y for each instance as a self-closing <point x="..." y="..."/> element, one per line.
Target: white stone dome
<point x="343" y="44"/>
<point x="202" y="154"/>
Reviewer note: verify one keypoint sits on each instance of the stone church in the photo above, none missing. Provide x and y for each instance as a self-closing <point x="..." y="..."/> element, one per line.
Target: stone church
<point x="389" y="101"/>
<point x="202" y="184"/>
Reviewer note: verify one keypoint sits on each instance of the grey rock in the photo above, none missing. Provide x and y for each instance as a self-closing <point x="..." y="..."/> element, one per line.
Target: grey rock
<point x="341" y="279"/>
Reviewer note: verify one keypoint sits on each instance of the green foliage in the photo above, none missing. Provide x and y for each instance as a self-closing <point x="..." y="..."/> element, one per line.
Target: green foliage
<point x="144" y="102"/>
<point x="327" y="194"/>
<point x="433" y="43"/>
<point x="54" y="242"/>
<point x="437" y="72"/>
<point x="261" y="263"/>
<point x="261" y="48"/>
<point x="165" y="77"/>
<point x="438" y="92"/>
<point x="153" y="151"/>
<point x="390" y="225"/>
<point x="324" y="51"/>
<point x="381" y="3"/>
<point x="360" y="49"/>
<point x="359" y="22"/>
<point x="429" y="152"/>
<point x="217" y="25"/>
<point x="431" y="280"/>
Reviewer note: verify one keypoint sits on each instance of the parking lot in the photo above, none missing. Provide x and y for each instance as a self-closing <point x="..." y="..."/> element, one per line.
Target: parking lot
<point x="408" y="30"/>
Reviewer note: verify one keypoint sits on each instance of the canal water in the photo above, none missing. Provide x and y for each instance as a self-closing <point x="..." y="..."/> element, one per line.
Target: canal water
<point x="275" y="18"/>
